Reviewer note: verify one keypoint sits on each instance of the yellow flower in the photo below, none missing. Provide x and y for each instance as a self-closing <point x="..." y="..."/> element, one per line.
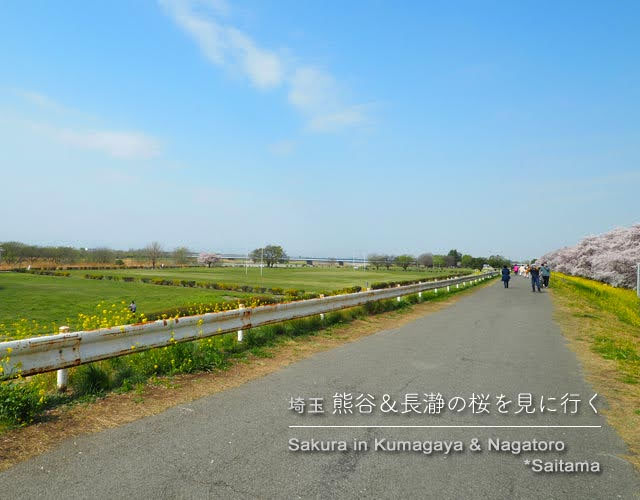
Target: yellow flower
<point x="133" y="347"/>
<point x="9" y="350"/>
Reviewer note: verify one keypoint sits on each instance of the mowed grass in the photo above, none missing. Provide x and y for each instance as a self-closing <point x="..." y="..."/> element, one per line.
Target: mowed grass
<point x="52" y="300"/>
<point x="309" y="279"/>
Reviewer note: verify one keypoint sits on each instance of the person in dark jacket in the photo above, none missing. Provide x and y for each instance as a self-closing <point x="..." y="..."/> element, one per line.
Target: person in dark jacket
<point x="535" y="278"/>
<point x="506" y="276"/>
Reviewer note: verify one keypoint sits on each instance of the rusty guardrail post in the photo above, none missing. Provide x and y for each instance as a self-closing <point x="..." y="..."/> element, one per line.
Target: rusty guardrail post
<point x="62" y="375"/>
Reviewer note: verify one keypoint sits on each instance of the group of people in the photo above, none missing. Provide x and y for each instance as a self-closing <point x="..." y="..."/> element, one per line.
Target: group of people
<point x="539" y="275"/>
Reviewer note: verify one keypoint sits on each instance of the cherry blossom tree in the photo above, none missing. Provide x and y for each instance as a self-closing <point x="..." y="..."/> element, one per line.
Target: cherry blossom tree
<point x="208" y="258"/>
<point x="610" y="257"/>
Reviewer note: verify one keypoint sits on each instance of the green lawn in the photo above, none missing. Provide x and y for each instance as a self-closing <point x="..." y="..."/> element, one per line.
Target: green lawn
<point x="47" y="299"/>
<point x="53" y="300"/>
<point x="309" y="279"/>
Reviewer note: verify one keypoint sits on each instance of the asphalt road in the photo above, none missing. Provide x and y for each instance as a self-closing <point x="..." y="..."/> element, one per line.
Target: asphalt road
<point x="235" y="444"/>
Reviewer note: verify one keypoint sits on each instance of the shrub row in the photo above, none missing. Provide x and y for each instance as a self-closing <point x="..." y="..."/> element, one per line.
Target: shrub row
<point x="44" y="272"/>
<point x="290" y="293"/>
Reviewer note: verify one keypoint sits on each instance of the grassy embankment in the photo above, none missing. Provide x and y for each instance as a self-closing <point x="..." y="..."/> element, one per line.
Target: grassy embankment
<point x="603" y="326"/>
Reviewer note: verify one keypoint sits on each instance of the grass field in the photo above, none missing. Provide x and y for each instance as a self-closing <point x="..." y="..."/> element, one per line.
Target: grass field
<point x="54" y="300"/>
<point x="23" y="400"/>
<point x="309" y="279"/>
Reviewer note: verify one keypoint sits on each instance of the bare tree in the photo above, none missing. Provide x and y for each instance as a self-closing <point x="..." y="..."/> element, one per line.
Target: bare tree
<point x="425" y="259"/>
<point x="153" y="252"/>
<point x="376" y="260"/>
<point x="388" y="260"/>
<point x="181" y="255"/>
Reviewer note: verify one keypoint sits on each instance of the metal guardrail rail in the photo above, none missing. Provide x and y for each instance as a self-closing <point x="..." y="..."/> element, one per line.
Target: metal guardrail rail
<point x="57" y="352"/>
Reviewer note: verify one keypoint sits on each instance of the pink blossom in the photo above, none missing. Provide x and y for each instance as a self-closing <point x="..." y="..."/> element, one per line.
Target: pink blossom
<point x="610" y="257"/>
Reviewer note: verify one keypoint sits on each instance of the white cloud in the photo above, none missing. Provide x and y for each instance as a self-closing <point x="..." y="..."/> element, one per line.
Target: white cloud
<point x="226" y="45"/>
<point x="316" y="94"/>
<point x="119" y="144"/>
<point x="311" y="91"/>
<point x="263" y="67"/>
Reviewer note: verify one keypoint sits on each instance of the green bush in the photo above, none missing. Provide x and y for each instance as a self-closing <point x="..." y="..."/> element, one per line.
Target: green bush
<point x="20" y="402"/>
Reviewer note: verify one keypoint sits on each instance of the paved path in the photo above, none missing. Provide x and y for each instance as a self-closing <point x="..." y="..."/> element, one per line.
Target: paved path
<point x="234" y="444"/>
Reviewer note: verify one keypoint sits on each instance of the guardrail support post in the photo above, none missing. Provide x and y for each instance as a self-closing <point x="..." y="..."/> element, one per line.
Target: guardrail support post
<point x="420" y="294"/>
<point x="240" y="332"/>
<point x="448" y="288"/>
<point x="321" y="316"/>
<point x="62" y="375"/>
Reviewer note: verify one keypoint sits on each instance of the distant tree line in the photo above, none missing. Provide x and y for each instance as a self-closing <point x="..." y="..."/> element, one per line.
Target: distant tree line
<point x="17" y="254"/>
<point x="428" y="260"/>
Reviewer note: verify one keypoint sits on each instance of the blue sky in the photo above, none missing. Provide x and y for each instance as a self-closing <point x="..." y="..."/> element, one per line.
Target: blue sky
<point x="332" y="128"/>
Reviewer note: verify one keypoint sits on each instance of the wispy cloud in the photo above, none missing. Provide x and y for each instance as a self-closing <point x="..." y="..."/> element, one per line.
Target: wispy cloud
<point x="40" y="100"/>
<point x="226" y="45"/>
<point x="116" y="143"/>
<point x="119" y="144"/>
<point x="312" y="91"/>
<point x="113" y="143"/>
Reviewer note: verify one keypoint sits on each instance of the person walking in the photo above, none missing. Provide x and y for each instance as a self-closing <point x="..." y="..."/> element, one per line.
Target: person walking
<point x="545" y="272"/>
<point x="506" y="276"/>
<point x="534" y="272"/>
<point x="515" y="269"/>
<point x="132" y="307"/>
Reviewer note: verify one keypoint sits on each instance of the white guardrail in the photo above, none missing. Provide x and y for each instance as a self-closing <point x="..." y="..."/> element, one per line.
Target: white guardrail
<point x="56" y="352"/>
